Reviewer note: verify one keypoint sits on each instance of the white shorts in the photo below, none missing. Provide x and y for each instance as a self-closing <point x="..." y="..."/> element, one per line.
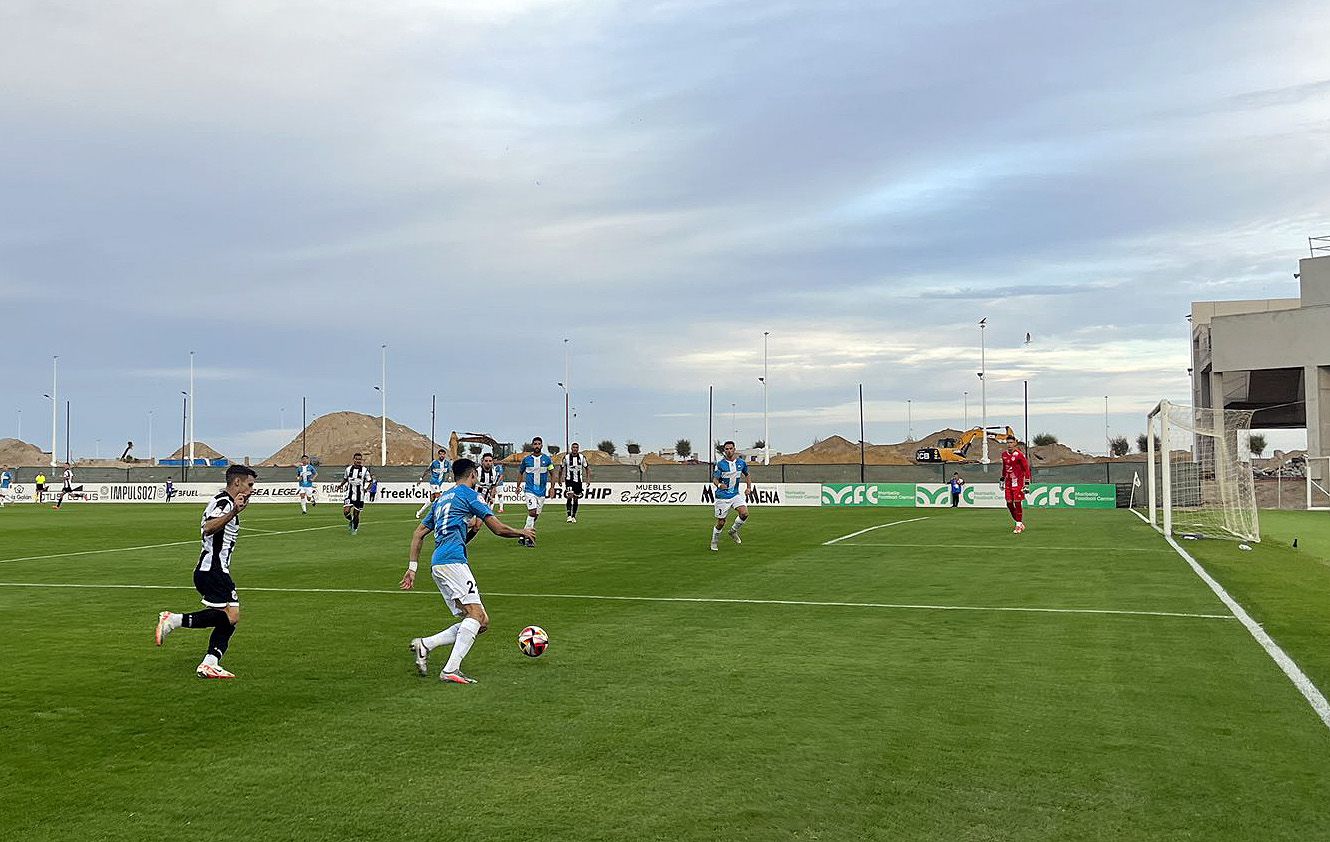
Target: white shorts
<point x="457" y="585"/>
<point x="534" y="501"/>
<point x="723" y="506"/>
<point x="306" y="492"/>
<point x="435" y="490"/>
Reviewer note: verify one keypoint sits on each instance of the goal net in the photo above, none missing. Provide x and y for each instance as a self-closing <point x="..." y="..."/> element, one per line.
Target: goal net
<point x="1198" y="479"/>
<point x="1318" y="483"/>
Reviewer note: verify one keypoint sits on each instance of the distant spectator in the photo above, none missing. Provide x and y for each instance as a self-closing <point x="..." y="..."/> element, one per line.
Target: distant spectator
<point x="128" y="455"/>
<point x="170" y="490"/>
<point x="373" y="490"/>
<point x="957" y="486"/>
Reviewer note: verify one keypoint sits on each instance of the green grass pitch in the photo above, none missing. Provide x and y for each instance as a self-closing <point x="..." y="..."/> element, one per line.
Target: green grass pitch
<point x="848" y="691"/>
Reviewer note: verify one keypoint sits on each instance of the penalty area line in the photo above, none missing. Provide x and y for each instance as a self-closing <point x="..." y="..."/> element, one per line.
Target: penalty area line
<point x="871" y="528"/>
<point x="898" y="606"/>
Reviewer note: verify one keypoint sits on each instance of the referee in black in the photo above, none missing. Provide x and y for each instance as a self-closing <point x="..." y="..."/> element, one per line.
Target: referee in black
<point x="212" y="574"/>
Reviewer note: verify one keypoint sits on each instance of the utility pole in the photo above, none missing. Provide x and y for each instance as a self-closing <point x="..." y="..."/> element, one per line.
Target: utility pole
<point x="55" y="406"/>
<point x="194" y="406"/>
<point x="383" y="418"/>
<point x="766" y="424"/>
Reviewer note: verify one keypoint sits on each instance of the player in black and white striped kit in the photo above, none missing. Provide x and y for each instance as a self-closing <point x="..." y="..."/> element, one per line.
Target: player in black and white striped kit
<point x="212" y="574"/>
<point x="576" y="471"/>
<point x="356" y="480"/>
<point x="67" y="488"/>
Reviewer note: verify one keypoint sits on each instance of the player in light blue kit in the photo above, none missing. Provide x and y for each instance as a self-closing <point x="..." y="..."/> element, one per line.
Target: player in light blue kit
<point x="453" y="520"/>
<point x="6" y="480"/>
<point x="437" y="474"/>
<point x="729" y="471"/>
<point x="535" y="483"/>
<point x="305" y="476"/>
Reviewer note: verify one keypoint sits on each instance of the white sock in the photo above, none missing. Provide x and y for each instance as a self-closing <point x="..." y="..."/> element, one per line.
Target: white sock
<point x="174" y="621"/>
<point x="466" y="635"/>
<point x="715" y="535"/>
<point x="530" y="521"/>
<point x="443" y="638"/>
<point x="739" y="522"/>
<point x="303" y="509"/>
<point x="210" y="659"/>
<point x="421" y="511"/>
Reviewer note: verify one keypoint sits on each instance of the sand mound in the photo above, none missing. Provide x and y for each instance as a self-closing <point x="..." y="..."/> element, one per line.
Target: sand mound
<point x="334" y="438"/>
<point x="18" y="453"/>
<point x="840" y="451"/>
<point x="201" y="451"/>
<point x="655" y="459"/>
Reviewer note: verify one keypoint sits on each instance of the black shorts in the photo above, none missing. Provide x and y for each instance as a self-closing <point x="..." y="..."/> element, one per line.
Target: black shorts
<point x="574" y="486"/>
<point x="355" y="504"/>
<point x="216" y="588"/>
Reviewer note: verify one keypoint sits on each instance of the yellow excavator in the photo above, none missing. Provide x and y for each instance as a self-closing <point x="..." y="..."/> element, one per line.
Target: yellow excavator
<point x="957" y="450"/>
<point x="499" y="449"/>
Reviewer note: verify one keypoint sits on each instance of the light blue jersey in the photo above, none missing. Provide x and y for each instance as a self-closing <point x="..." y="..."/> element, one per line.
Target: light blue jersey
<point x="728" y="473"/>
<point x="438" y="470"/>
<point x="536" y="473"/>
<point x="448" y="518"/>
<point x="5" y="479"/>
<point x="305" y="475"/>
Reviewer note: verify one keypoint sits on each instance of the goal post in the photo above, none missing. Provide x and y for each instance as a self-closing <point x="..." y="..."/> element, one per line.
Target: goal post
<point x="1317" y="469"/>
<point x="1198" y="483"/>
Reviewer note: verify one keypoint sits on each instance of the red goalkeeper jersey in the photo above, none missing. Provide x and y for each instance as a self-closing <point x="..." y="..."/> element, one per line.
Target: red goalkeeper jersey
<point x="1015" y="469"/>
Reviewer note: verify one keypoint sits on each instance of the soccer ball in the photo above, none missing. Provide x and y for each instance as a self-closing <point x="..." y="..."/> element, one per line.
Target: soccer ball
<point x="533" y="641"/>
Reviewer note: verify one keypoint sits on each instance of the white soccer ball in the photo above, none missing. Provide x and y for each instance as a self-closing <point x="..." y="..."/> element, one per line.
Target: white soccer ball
<point x="533" y="641"/>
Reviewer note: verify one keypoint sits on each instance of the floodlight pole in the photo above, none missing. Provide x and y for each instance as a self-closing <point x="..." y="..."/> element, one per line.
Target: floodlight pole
<point x="55" y="405"/>
<point x="184" y="434"/>
<point x="965" y="397"/>
<point x="861" y="432"/>
<point x="67" y="447"/>
<point x="383" y="418"/>
<point x="711" y="448"/>
<point x="983" y="387"/>
<point x="909" y="420"/>
<point x="567" y="401"/>
<point x="766" y="424"/>
<point x="1108" y="441"/>
<point x="196" y="408"/>
<point x="433" y="410"/>
<point x="304" y="425"/>
<point x="150" y="457"/>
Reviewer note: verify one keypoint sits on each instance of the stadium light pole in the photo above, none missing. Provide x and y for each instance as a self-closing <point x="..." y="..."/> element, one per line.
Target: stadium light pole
<point x="567" y="398"/>
<point x="68" y="449"/>
<point x="965" y="397"/>
<point x="304" y="425"/>
<point x="383" y="418"/>
<point x="19" y="435"/>
<point x="711" y="447"/>
<point x="909" y="419"/>
<point x="983" y="387"/>
<point x="195" y="405"/>
<point x="567" y="415"/>
<point x="184" y="433"/>
<point x="766" y="423"/>
<point x="55" y="405"/>
<point x="1108" y="440"/>
<point x="433" y="409"/>
<point x="861" y="433"/>
<point x="150" y="456"/>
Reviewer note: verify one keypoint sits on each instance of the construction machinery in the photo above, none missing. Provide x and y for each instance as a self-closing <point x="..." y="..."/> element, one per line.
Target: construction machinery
<point x="455" y="442"/>
<point x="957" y="450"/>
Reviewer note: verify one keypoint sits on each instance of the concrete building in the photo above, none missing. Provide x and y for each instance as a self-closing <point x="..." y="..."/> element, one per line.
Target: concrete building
<point x="1271" y="355"/>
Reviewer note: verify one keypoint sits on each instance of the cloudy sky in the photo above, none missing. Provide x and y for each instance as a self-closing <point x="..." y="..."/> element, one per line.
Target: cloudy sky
<point x="283" y="187"/>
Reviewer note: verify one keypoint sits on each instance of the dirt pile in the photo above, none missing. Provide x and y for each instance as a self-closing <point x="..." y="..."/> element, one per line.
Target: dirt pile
<point x="334" y="438"/>
<point x="201" y="451"/>
<point x="19" y="454"/>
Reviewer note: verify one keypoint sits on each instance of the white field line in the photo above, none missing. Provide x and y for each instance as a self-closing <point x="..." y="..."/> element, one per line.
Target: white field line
<point x="1143" y="518"/>
<point x="1295" y="674"/>
<point x="158" y="546"/>
<point x="678" y="599"/>
<point x="1014" y="546"/>
<point x="871" y="528"/>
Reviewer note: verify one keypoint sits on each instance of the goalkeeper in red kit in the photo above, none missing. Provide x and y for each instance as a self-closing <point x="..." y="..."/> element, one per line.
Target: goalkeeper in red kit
<point x="1015" y="482"/>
